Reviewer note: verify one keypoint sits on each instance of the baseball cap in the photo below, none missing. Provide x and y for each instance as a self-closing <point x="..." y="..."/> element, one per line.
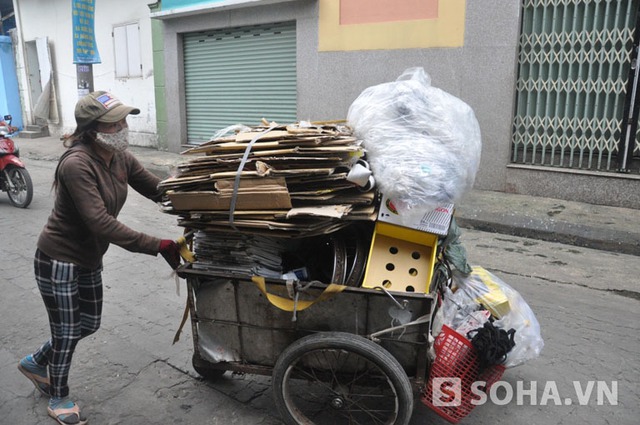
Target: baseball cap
<point x="101" y="106"/>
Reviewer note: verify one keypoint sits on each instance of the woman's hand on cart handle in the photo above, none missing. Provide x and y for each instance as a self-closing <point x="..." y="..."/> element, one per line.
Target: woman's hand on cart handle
<point x="170" y="251"/>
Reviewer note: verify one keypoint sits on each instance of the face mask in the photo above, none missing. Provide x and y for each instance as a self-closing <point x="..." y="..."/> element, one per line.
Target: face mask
<point x="114" y="142"/>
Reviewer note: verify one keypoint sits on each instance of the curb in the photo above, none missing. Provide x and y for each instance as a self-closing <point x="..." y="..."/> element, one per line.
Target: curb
<point x="568" y="233"/>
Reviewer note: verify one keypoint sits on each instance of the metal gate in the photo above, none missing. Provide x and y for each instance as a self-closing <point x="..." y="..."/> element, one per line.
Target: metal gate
<point x="239" y="76"/>
<point x="577" y="89"/>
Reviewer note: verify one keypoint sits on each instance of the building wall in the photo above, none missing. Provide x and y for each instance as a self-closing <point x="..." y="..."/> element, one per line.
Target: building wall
<point x="9" y="92"/>
<point x="481" y="72"/>
<point x="480" y="69"/>
<point x="162" y="122"/>
<point x="37" y="18"/>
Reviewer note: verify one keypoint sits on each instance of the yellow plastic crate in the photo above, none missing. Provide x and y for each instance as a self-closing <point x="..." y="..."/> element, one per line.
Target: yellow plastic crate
<point x="400" y="259"/>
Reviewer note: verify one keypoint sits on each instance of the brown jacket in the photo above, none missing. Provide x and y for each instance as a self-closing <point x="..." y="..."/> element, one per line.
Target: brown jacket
<point x="89" y="197"/>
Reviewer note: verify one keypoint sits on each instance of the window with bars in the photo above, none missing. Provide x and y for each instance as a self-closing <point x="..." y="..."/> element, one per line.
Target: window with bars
<point x="575" y="60"/>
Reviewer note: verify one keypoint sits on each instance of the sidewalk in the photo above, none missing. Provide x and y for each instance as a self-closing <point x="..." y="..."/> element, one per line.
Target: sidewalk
<point x="594" y="226"/>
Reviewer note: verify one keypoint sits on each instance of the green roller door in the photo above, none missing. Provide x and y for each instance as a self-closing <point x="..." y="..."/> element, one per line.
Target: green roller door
<point x="239" y="76"/>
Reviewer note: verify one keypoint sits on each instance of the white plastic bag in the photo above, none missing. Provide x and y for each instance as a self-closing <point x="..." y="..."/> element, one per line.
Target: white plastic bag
<point x="422" y="143"/>
<point x="456" y="308"/>
<point x="487" y="289"/>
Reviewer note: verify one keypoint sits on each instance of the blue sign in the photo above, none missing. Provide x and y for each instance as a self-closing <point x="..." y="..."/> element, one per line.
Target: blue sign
<point x="84" y="40"/>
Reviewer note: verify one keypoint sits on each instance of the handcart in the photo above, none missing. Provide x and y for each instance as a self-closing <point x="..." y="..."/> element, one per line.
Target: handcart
<point x="355" y="357"/>
<point x="351" y="352"/>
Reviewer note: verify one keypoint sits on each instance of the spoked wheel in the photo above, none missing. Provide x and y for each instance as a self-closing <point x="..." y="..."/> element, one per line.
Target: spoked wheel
<point x="19" y="187"/>
<point x="340" y="378"/>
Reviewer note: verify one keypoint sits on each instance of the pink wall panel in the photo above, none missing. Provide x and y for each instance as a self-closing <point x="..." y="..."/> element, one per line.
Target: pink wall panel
<point x="372" y="11"/>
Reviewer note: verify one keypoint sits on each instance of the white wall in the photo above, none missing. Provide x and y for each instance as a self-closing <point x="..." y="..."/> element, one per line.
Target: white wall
<point x="52" y="18"/>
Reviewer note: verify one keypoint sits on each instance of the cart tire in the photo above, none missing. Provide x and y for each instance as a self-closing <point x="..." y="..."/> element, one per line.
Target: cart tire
<point x="204" y="369"/>
<point x="340" y="378"/>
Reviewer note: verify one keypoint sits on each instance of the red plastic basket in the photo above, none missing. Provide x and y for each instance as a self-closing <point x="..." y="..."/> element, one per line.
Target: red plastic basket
<point x="456" y="358"/>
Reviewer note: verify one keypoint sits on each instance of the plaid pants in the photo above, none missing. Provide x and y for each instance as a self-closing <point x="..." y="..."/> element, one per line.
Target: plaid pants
<point x="73" y="298"/>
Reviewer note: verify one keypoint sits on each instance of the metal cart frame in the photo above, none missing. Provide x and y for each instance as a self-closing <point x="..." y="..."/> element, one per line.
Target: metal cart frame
<point x="321" y="358"/>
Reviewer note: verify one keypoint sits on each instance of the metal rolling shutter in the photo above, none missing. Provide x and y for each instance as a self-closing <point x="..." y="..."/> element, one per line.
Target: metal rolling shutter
<point x="573" y="72"/>
<point x="239" y="76"/>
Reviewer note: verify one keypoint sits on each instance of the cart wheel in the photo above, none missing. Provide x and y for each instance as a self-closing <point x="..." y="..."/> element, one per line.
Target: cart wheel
<point x="340" y="378"/>
<point x="204" y="368"/>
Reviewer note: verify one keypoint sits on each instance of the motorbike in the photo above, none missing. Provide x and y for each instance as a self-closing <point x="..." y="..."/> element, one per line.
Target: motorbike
<point x="14" y="177"/>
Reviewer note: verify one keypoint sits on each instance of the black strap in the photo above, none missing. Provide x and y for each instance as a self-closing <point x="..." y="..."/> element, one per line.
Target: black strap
<point x="492" y="344"/>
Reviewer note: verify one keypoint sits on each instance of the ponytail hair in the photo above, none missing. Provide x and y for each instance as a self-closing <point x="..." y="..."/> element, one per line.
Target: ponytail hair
<point x="86" y="135"/>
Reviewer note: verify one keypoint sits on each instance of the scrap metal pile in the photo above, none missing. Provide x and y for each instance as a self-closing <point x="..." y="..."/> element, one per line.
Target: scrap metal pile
<point x="266" y="183"/>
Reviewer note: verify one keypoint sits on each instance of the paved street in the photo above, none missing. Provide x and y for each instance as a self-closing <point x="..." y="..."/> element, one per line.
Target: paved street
<point x="130" y="373"/>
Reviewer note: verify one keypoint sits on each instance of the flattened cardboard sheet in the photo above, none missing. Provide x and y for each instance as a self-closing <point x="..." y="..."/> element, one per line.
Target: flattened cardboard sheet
<point x="253" y="194"/>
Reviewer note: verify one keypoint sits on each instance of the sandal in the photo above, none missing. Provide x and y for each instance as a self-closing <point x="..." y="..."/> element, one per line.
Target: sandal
<point x="41" y="382"/>
<point x="67" y="415"/>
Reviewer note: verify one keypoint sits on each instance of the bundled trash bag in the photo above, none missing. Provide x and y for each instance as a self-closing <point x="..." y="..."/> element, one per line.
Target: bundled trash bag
<point x="507" y="307"/>
<point x="422" y="143"/>
<point x="492" y="344"/>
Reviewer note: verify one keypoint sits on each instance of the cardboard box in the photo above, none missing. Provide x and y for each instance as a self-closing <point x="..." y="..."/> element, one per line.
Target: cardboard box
<point x="253" y="194"/>
<point x="400" y="259"/>
<point x="436" y="221"/>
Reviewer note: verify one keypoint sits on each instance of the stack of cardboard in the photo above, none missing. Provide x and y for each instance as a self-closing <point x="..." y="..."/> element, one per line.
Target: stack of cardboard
<point x="277" y="180"/>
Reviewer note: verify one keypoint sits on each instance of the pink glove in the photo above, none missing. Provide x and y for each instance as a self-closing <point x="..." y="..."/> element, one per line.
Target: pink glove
<point x="171" y="252"/>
